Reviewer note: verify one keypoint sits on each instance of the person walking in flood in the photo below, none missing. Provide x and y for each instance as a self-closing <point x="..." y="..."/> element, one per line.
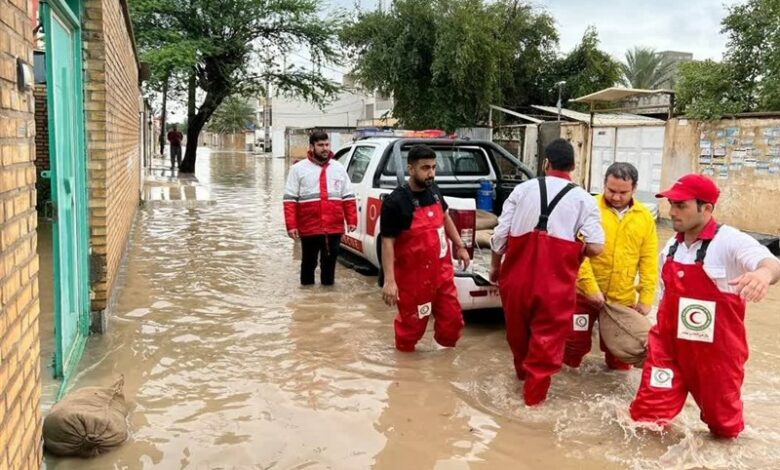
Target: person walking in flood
<point x="630" y="252"/>
<point x="174" y="140"/>
<point x="416" y="256"/>
<point x="709" y="272"/>
<point x="536" y="256"/>
<point x="318" y="201"/>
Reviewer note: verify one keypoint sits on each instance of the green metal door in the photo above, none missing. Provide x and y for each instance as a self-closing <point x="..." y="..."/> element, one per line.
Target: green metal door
<point x="68" y="181"/>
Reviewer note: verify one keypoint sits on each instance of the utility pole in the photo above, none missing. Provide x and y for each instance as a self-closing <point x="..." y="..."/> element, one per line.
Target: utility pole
<point x="490" y="122"/>
<point x="267" y="108"/>
<point x="267" y="116"/>
<point x="560" y="90"/>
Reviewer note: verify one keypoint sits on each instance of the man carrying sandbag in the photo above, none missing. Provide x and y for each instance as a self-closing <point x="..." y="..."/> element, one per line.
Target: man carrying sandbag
<point x="699" y="346"/>
<point x="630" y="251"/>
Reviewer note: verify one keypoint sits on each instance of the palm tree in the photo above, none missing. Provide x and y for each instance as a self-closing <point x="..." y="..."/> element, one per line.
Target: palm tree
<point x="233" y="115"/>
<point x="645" y="69"/>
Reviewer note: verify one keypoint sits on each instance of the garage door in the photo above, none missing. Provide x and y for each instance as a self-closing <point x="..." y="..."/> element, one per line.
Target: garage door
<point x="641" y="146"/>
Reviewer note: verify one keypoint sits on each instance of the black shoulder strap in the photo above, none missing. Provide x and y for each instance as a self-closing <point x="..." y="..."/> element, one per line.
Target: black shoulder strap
<point x="415" y="202"/>
<point x="705" y="245"/>
<point x="673" y="250"/>
<point x="701" y="253"/>
<point x="546" y="209"/>
<point x="435" y="191"/>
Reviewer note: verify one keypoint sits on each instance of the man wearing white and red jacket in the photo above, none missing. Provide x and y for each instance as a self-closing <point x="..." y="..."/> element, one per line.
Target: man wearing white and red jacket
<point x="318" y="200"/>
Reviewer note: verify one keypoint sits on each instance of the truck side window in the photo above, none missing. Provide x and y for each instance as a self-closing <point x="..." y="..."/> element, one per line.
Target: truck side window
<point x="468" y="162"/>
<point x="507" y="168"/>
<point x="358" y="164"/>
<point x="341" y="153"/>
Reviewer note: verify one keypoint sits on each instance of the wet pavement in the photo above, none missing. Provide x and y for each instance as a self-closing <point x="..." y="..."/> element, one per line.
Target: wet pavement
<point x="229" y="364"/>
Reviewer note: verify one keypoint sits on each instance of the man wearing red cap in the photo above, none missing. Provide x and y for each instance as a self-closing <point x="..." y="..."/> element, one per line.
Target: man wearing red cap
<point x="698" y="345"/>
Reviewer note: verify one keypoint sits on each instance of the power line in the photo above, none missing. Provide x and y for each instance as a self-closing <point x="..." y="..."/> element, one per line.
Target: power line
<point x="321" y="65"/>
<point x="315" y="116"/>
<point x="323" y="111"/>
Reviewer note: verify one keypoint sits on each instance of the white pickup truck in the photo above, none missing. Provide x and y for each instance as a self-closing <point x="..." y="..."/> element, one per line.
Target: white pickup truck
<point x="377" y="165"/>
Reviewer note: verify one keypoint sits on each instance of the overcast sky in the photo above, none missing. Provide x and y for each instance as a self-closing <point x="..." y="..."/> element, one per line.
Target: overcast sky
<point x="681" y="25"/>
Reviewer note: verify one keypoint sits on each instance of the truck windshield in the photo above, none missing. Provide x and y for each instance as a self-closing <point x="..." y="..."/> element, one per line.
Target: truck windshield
<point x="451" y="162"/>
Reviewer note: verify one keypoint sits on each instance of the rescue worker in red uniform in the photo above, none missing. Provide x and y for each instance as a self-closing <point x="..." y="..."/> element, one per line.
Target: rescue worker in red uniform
<point x="318" y="202"/>
<point x="538" y="238"/>
<point x="709" y="272"/>
<point x="416" y="256"/>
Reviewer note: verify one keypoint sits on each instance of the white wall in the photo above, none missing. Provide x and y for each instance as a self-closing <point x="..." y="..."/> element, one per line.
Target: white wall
<point x="344" y="111"/>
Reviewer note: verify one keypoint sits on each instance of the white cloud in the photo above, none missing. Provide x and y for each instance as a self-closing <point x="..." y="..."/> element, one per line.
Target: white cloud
<point x="681" y="25"/>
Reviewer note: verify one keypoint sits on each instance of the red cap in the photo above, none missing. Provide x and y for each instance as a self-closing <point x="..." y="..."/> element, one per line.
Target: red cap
<point x="692" y="186"/>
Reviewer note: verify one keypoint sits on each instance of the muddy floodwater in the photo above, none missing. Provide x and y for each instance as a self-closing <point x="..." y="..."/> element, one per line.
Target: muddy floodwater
<point x="229" y="364"/>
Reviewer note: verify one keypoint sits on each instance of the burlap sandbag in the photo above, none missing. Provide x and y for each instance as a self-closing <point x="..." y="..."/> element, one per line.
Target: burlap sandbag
<point x="486" y="220"/>
<point x="87" y="422"/>
<point x="483" y="238"/>
<point x="624" y="332"/>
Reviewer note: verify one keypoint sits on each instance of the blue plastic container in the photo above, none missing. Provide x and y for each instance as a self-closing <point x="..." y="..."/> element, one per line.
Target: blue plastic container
<point x="485" y="196"/>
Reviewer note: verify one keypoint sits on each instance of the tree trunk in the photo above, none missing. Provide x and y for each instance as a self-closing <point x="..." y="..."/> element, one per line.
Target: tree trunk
<point x="162" y="115"/>
<point x="192" y="86"/>
<point x="210" y="104"/>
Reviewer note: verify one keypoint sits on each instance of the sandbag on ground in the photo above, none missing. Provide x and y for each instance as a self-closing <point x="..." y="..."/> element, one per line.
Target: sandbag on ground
<point x="87" y="422"/>
<point x="486" y="220"/>
<point x="624" y="332"/>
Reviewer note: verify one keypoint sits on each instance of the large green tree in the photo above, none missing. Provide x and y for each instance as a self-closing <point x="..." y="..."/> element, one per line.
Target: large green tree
<point x="645" y="69"/>
<point x="753" y="52"/>
<point x="168" y="68"/>
<point x="705" y="90"/>
<point x="445" y="61"/>
<point x="748" y="79"/>
<point x="233" y="115"/>
<point x="586" y="69"/>
<point x="223" y="40"/>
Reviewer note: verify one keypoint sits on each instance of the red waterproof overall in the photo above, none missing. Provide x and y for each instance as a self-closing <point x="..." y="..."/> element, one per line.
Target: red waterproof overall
<point x="538" y="291"/>
<point x="425" y="278"/>
<point x="579" y="343"/>
<point x="698" y="346"/>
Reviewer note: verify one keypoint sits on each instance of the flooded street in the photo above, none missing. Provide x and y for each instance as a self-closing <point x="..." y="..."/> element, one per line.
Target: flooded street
<point x="228" y="363"/>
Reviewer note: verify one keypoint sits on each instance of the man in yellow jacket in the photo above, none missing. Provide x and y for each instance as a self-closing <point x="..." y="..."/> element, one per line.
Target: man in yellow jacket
<point x="626" y="273"/>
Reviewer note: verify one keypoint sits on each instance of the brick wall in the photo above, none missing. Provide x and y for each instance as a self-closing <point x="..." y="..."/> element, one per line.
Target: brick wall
<point x="20" y="419"/>
<point x="112" y="107"/>
<point x="41" y="129"/>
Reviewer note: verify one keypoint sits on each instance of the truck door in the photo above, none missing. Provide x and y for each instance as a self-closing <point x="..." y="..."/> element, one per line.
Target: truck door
<point x="510" y="172"/>
<point x="357" y="170"/>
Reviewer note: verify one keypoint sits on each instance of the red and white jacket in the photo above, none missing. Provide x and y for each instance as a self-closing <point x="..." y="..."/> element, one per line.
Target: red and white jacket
<point x="318" y="198"/>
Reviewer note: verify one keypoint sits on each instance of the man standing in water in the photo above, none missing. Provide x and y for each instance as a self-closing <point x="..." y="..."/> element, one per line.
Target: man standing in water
<point x="416" y="259"/>
<point x="538" y="241"/>
<point x="318" y="199"/>
<point x="699" y="345"/>
<point x="174" y="139"/>
<point x="631" y="252"/>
